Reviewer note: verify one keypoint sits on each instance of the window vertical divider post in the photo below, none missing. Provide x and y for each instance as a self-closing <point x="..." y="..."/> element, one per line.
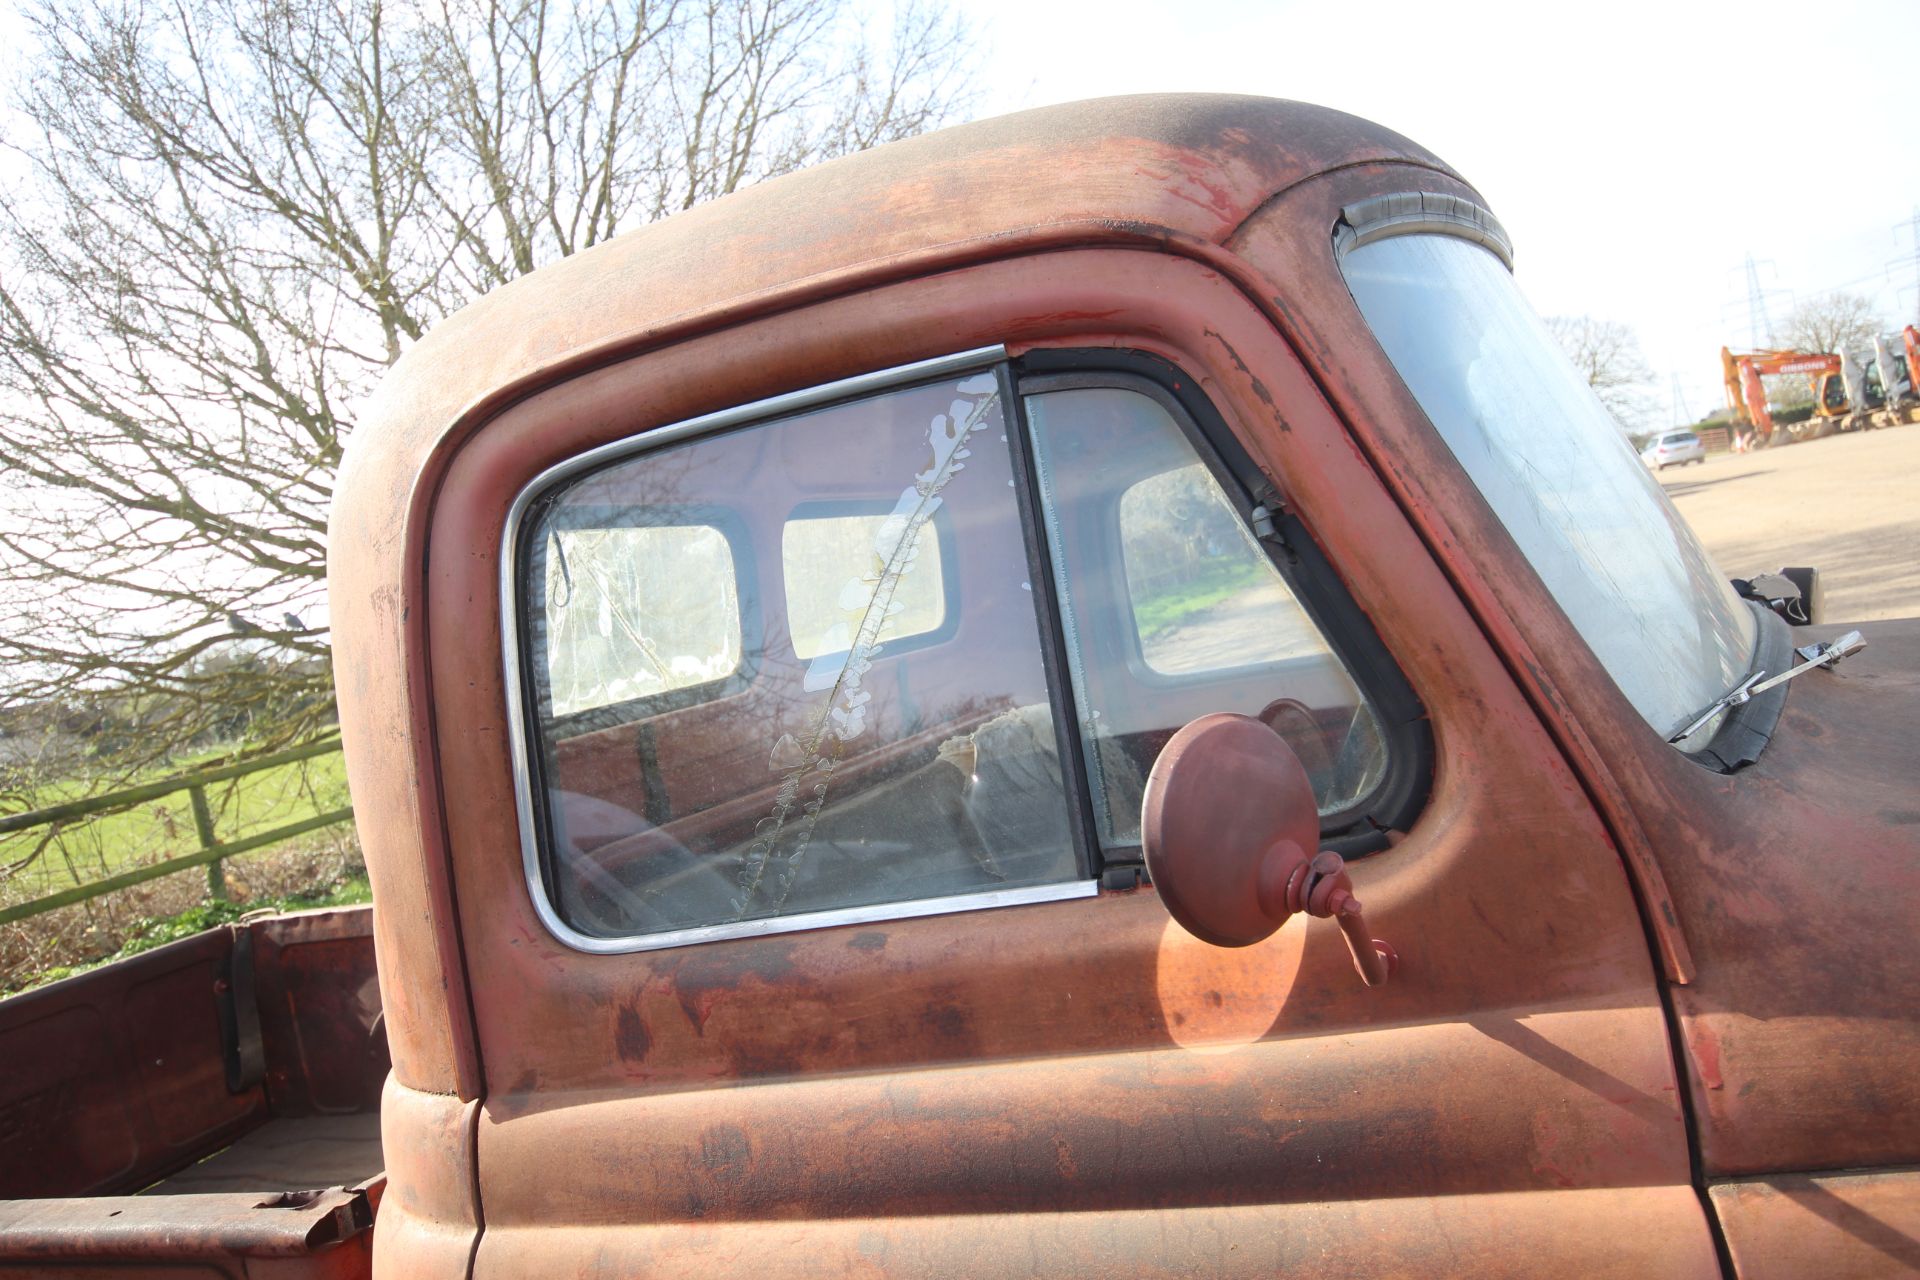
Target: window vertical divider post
<point x="1053" y="642"/>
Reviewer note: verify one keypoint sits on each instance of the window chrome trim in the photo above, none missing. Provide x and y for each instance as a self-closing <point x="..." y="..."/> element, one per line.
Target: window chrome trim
<point x="516" y="693"/>
<point x="912" y="909"/>
<point x="1402" y="213"/>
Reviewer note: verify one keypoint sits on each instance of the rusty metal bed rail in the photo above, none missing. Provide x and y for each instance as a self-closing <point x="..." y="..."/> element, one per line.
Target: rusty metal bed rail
<point x="212" y="851"/>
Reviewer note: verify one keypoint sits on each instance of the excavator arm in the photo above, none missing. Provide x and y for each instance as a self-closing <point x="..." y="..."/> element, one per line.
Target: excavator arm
<point x="1747" y="396"/>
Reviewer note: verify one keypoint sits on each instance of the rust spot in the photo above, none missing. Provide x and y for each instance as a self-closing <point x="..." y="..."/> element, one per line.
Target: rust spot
<point x="698" y="1006"/>
<point x="874" y="941"/>
<point x="946" y="1021"/>
<point x="1706" y="1057"/>
<point x="1806" y="726"/>
<point x="630" y="1036"/>
<point x="724" y="1148"/>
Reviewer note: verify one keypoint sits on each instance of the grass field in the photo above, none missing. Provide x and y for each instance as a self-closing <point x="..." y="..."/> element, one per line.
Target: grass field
<point x="103" y="844"/>
<point x="1218" y="580"/>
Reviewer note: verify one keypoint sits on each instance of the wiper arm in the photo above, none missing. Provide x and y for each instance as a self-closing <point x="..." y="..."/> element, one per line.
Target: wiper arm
<point x="1812" y="655"/>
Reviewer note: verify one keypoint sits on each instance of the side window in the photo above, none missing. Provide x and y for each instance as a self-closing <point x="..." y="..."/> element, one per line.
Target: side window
<point x="773" y="708"/>
<point x="1171" y="610"/>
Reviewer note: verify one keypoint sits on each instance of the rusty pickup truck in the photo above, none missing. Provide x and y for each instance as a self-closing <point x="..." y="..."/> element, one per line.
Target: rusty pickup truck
<point x="842" y="688"/>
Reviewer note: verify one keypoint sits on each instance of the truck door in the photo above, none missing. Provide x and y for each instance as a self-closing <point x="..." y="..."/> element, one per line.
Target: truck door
<point x="804" y="913"/>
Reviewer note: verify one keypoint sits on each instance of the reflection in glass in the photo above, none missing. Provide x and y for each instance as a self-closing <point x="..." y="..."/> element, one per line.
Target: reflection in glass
<point x="1558" y="472"/>
<point x="820" y="555"/>
<point x="813" y="761"/>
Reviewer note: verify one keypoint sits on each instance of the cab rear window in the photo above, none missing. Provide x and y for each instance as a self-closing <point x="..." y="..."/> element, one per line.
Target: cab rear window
<point x="636" y="611"/>
<point x="821" y="554"/>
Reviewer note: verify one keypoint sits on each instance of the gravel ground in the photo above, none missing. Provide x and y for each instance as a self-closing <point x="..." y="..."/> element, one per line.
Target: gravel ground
<point x="1848" y="505"/>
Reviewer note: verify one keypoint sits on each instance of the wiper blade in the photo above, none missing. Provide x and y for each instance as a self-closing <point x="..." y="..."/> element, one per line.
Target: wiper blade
<point x="1812" y="655"/>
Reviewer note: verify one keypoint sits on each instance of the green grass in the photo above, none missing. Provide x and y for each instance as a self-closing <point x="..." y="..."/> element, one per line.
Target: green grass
<point x="1159" y="613"/>
<point x="157" y="931"/>
<point x="103" y="844"/>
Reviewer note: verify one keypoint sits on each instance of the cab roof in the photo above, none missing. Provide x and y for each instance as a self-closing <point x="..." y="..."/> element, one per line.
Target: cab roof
<point x="1166" y="167"/>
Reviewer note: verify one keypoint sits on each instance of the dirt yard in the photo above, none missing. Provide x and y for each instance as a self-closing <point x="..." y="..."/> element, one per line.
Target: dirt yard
<point x="1847" y="505"/>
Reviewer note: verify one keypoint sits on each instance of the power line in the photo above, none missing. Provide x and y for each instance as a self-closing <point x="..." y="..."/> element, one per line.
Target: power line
<point x="1759" y="320"/>
<point x="1678" y="408"/>
<point x="1912" y="226"/>
<point x="1880" y="278"/>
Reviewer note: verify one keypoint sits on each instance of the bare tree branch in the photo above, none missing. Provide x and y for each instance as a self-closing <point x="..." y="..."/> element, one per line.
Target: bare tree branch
<point x="1834" y="323"/>
<point x="1607" y="355"/>
<point x="238" y="213"/>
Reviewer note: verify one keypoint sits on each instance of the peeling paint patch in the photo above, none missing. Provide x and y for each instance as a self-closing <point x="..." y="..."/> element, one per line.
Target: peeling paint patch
<point x="1259" y="387"/>
<point x="1706" y="1057"/>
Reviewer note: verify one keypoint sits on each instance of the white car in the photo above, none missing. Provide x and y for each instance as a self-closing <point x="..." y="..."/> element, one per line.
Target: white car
<point x="1673" y="449"/>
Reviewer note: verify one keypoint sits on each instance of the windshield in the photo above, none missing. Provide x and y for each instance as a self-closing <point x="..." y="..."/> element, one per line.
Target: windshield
<point x="1558" y="472"/>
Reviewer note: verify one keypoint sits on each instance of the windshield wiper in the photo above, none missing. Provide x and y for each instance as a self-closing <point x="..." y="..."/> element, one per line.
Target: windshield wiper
<point x="1812" y="655"/>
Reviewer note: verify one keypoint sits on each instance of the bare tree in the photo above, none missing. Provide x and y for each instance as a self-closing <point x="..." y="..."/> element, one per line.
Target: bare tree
<point x="1607" y="355"/>
<point x="1833" y="322"/>
<point x="237" y="213"/>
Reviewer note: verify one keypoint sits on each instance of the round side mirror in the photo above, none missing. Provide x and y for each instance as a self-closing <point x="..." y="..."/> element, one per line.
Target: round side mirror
<point x="1228" y="810"/>
<point x="1229" y="827"/>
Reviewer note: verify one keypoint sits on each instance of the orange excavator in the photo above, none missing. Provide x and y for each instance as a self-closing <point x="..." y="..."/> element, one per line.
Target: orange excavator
<point x="1911" y="337"/>
<point x="1747" y="398"/>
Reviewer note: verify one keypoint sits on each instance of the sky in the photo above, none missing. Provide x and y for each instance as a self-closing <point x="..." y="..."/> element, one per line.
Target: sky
<point x="1636" y="152"/>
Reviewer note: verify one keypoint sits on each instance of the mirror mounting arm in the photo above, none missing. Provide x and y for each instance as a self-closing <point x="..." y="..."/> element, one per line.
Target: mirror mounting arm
<point x="1290" y="882"/>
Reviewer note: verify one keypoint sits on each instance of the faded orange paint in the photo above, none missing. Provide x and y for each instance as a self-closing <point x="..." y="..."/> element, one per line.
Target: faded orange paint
<point x="1838" y="1226"/>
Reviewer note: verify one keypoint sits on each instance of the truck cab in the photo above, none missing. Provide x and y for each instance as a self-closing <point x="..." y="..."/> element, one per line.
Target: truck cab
<point x="759" y="640"/>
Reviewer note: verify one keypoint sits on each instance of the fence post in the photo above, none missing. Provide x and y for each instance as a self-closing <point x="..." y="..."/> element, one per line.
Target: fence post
<point x="203" y="826"/>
